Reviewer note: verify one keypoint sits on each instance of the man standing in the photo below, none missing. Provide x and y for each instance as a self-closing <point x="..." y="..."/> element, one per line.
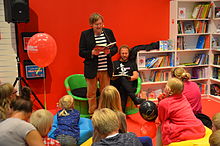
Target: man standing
<point x="97" y="63"/>
<point x="124" y="84"/>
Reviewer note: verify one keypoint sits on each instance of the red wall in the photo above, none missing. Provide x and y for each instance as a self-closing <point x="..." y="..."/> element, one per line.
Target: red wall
<point x="134" y="22"/>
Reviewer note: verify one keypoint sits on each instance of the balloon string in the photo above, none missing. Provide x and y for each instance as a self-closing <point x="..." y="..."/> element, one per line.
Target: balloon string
<point x="45" y="98"/>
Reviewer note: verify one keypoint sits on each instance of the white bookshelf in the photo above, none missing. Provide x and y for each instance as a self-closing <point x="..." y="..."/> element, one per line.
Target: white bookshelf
<point x="190" y="39"/>
<point x="185" y="54"/>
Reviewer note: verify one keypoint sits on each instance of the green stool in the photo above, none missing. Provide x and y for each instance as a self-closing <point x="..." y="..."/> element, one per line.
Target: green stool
<point x="77" y="81"/>
<point x="131" y="108"/>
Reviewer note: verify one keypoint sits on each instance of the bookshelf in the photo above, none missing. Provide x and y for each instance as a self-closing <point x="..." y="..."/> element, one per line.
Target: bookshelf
<point x="196" y="44"/>
<point x="202" y="17"/>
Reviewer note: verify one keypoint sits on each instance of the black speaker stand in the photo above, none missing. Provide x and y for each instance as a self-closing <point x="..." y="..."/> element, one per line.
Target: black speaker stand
<point x="20" y="79"/>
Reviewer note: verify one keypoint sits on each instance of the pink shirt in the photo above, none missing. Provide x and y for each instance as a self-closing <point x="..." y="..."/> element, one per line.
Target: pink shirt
<point x="178" y="122"/>
<point x="193" y="95"/>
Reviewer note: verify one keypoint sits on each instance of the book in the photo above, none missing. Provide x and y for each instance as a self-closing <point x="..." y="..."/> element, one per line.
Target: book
<point x="189" y="27"/>
<point x="163" y="45"/>
<point x="105" y="46"/>
<point x="142" y="61"/>
<point x="196" y="11"/>
<point x="217" y="12"/>
<point x="200" y="42"/>
<point x="114" y="77"/>
<point x="182" y="13"/>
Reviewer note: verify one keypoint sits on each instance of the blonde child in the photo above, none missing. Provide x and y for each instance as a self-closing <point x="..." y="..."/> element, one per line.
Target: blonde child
<point x="178" y="122"/>
<point x="110" y="98"/>
<point x="7" y="94"/>
<point x="67" y="132"/>
<point x="216" y="122"/>
<point x="191" y="90"/>
<point x="214" y="138"/>
<point x="106" y="122"/>
<point x="42" y="121"/>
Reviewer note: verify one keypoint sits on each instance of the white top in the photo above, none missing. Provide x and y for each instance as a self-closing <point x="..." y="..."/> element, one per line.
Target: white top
<point x="13" y="132"/>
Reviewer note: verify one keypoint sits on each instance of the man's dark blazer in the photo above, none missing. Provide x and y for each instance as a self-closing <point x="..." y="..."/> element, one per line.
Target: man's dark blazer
<point x="86" y="45"/>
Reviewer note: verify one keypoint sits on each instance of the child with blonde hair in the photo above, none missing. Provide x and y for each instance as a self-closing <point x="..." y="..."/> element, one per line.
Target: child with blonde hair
<point x="42" y="120"/>
<point x="214" y="138"/>
<point x="67" y="132"/>
<point x="7" y="94"/>
<point x="110" y="98"/>
<point x="106" y="122"/>
<point x="178" y="122"/>
<point x="191" y="90"/>
<point x="216" y="122"/>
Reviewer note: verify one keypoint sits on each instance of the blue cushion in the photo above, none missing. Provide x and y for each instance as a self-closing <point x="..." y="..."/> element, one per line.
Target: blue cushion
<point x="85" y="126"/>
<point x="146" y="140"/>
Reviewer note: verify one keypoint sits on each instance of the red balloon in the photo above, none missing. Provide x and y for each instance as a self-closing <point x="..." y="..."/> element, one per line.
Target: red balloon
<point x="42" y="49"/>
<point x="149" y="129"/>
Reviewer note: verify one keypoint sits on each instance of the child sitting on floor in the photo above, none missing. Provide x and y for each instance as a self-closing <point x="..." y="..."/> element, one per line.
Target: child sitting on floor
<point x="67" y="132"/>
<point x="107" y="124"/>
<point x="214" y="138"/>
<point x="42" y="121"/>
<point x="216" y="122"/>
<point x="178" y="122"/>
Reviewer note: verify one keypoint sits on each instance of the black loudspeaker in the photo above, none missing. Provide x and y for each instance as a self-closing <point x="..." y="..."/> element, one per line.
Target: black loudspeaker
<point x="16" y="11"/>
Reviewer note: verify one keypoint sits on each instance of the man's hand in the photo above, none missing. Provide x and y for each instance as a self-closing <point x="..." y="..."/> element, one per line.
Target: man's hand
<point x="95" y="51"/>
<point x="106" y="50"/>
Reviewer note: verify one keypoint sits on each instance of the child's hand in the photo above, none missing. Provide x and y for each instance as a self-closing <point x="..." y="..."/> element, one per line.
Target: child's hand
<point x="161" y="97"/>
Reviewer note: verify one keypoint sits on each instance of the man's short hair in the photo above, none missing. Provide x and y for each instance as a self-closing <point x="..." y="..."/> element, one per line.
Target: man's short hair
<point x="105" y="121"/>
<point x="95" y="17"/>
<point x="124" y="46"/>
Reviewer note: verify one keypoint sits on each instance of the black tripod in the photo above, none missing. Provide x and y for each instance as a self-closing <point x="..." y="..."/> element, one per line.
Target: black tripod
<point x="20" y="79"/>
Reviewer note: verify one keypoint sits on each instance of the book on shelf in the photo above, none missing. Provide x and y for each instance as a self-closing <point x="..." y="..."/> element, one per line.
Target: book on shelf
<point x="217" y="12"/>
<point x="151" y="64"/>
<point x="215" y="89"/>
<point x="141" y="61"/>
<point x="182" y="13"/>
<point x="202" y="87"/>
<point x="180" y="27"/>
<point x="216" y="59"/>
<point x="188" y="27"/>
<point x="188" y="64"/>
<point x="207" y="42"/>
<point x="196" y="11"/>
<point x="159" y="61"/>
<point x="200" y="42"/>
<point x="165" y="45"/>
<point x="144" y="77"/>
<point x="166" y="75"/>
<point x="202" y="10"/>
<point x="180" y="43"/>
<point x="201" y="26"/>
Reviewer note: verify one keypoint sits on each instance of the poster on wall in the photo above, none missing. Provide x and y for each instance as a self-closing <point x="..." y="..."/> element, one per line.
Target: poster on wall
<point x="25" y="38"/>
<point x="33" y="71"/>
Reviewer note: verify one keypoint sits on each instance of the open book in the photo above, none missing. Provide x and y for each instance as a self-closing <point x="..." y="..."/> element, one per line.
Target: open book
<point x="106" y="46"/>
<point x="114" y="77"/>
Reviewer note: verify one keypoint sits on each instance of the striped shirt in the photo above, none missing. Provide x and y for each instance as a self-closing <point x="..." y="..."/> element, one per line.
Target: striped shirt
<point x="102" y="57"/>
